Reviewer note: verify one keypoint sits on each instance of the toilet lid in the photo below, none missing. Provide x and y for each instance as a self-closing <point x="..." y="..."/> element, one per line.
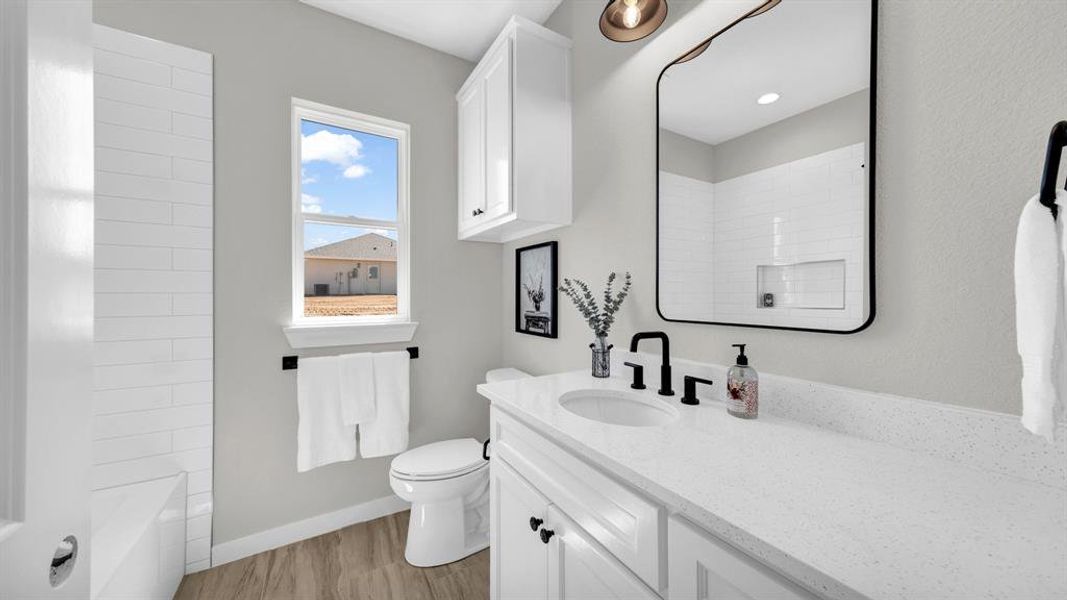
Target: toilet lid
<point x="440" y="460"/>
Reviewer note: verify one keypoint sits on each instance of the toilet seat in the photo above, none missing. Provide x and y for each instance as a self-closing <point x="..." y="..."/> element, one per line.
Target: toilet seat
<point x="440" y="460"/>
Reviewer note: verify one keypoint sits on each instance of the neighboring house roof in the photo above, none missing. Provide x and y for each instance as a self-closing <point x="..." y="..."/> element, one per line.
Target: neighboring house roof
<point x="369" y="246"/>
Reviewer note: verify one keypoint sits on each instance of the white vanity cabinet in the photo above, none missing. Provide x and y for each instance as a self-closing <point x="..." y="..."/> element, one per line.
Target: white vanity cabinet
<point x="514" y="114"/>
<point x="518" y="556"/>
<point x="702" y="566"/>
<point x="580" y="568"/>
<point x="537" y="552"/>
<point x="562" y="528"/>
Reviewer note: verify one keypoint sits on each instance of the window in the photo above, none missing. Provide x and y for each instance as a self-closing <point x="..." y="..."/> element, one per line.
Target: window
<point x="350" y="211"/>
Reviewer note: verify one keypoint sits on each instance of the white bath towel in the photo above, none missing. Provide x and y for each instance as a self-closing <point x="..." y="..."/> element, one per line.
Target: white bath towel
<point x="1039" y="313"/>
<point x="357" y="387"/>
<point x="388" y="432"/>
<point x="321" y="434"/>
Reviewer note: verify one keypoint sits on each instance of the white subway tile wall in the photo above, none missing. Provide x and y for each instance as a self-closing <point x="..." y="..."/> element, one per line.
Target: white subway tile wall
<point x="714" y="238"/>
<point x="686" y="250"/>
<point x="154" y="195"/>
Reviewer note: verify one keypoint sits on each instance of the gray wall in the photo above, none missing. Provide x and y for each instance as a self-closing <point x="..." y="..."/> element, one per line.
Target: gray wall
<point x="265" y="53"/>
<point x="959" y="151"/>
<point x="686" y="156"/>
<point x="835" y="124"/>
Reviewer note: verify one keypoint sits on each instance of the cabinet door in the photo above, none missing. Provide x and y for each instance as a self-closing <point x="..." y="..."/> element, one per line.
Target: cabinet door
<point x="518" y="557"/>
<point x="498" y="132"/>
<point x="704" y="567"/>
<point x="471" y="155"/>
<point x="580" y="569"/>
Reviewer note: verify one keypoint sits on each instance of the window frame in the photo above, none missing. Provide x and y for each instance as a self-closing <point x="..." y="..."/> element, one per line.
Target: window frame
<point x="302" y="110"/>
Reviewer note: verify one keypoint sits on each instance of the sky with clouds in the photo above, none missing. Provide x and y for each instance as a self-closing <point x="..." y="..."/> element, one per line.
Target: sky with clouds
<point x="347" y="173"/>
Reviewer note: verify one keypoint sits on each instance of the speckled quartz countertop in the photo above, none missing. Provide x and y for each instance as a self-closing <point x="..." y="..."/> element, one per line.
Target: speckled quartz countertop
<point x="844" y="516"/>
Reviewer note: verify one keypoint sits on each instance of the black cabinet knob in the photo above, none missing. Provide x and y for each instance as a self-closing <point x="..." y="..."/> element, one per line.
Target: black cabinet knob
<point x="535" y="523"/>
<point x="476" y="212"/>
<point x="546" y="534"/>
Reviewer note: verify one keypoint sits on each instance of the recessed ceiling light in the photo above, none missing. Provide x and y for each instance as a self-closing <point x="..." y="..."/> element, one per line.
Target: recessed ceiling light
<point x="768" y="98"/>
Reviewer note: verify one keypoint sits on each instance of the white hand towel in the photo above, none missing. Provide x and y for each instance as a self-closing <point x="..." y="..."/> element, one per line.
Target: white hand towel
<point x="357" y="388"/>
<point x="388" y="432"/>
<point x="1038" y="310"/>
<point x="321" y="435"/>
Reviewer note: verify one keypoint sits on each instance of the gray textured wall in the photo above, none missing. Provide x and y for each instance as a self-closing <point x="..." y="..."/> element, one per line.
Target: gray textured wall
<point x="967" y="94"/>
<point x="266" y="52"/>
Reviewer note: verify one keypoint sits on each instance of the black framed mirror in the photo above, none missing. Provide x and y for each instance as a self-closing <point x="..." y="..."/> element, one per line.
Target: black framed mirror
<point x="765" y="171"/>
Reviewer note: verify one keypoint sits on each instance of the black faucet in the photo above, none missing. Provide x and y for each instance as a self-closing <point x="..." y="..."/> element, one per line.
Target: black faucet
<point x="665" y="368"/>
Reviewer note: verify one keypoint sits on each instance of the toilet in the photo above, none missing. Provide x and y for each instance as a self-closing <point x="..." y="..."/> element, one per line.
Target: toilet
<point x="447" y="484"/>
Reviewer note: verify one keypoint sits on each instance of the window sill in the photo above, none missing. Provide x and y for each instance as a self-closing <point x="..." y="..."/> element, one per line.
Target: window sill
<point x="315" y="335"/>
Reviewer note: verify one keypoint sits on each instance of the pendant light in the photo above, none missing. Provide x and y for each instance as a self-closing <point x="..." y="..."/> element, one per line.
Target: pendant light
<point x="695" y="52"/>
<point x="629" y="20"/>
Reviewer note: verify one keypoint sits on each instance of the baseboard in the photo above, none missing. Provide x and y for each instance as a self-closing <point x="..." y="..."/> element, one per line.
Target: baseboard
<point x="302" y="530"/>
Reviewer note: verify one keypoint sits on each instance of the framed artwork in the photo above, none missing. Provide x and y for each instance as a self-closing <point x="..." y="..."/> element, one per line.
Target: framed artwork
<point x="536" y="287"/>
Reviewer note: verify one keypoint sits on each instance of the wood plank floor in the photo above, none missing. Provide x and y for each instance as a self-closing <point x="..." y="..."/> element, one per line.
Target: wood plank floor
<point x="363" y="561"/>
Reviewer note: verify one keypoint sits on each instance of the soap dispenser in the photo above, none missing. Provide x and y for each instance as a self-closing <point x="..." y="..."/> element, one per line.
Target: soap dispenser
<point x="742" y="388"/>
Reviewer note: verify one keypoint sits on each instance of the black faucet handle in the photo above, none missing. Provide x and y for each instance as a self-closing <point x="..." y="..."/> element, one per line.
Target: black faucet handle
<point x="690" y="385"/>
<point x="639" y="375"/>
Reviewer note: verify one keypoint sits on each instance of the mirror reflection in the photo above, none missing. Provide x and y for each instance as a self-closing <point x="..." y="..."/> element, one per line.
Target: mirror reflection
<point x="764" y="172"/>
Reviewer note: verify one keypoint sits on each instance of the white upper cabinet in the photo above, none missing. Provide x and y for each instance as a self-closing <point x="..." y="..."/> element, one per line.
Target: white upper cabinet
<point x="515" y="137"/>
<point x="471" y="154"/>
<point x="498" y="133"/>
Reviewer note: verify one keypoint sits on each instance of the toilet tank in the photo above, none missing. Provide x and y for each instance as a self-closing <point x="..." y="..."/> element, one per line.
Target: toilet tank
<point x="505" y="374"/>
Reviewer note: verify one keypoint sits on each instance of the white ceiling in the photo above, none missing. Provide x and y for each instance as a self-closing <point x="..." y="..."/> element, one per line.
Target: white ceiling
<point x="462" y="28"/>
<point x="809" y="51"/>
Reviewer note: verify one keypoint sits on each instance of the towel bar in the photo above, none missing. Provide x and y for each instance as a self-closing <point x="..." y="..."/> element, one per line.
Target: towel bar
<point x="291" y="362"/>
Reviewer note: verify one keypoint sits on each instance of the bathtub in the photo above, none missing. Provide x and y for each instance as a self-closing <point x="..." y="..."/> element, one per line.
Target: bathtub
<point x="138" y="540"/>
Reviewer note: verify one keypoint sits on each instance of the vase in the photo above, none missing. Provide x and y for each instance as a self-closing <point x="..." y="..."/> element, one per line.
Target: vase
<point x="601" y="357"/>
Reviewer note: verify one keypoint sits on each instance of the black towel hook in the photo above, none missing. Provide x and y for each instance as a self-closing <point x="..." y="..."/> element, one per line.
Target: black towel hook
<point x="1056" y="141"/>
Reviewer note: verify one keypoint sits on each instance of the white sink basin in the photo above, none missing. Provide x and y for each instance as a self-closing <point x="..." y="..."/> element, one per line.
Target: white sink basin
<point x="618" y="408"/>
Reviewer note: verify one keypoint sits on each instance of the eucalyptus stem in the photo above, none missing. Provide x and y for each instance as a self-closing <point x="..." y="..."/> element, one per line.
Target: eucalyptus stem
<point x="599" y="316"/>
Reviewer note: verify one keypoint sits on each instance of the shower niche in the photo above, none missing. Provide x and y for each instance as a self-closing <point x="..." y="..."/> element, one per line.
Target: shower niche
<point x="811" y="285"/>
